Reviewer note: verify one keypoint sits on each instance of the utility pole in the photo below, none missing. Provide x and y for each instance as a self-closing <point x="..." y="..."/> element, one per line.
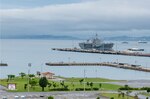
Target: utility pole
<point x="29" y="65"/>
<point x="84" y="80"/>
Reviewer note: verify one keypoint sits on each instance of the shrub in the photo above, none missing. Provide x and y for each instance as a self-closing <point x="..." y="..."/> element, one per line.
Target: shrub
<point x="79" y="89"/>
<point x="59" y="89"/>
<point x="95" y="88"/>
<point x="50" y="97"/>
<point x="98" y="98"/>
<point x="112" y="98"/>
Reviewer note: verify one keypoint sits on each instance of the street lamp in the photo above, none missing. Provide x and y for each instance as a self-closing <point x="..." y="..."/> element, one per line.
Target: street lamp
<point x="84" y="80"/>
<point x="29" y="65"/>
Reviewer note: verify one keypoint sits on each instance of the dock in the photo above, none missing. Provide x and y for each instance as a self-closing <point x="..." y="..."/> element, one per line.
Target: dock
<point x="103" y="52"/>
<point x="108" y="64"/>
<point x="3" y="64"/>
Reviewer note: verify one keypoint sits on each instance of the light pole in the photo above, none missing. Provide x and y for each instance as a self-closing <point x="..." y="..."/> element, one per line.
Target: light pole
<point x="84" y="80"/>
<point x="29" y="65"/>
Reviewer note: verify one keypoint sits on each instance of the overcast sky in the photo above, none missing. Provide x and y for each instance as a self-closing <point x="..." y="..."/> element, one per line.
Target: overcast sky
<point x="75" y="17"/>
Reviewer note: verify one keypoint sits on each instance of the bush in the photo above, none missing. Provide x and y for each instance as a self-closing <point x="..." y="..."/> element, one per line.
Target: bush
<point x="148" y="90"/>
<point x="50" y="97"/>
<point x="79" y="89"/>
<point x="112" y="98"/>
<point x="59" y="89"/>
<point x="145" y="88"/>
<point x="129" y="88"/>
<point x="95" y="88"/>
<point x="98" y="98"/>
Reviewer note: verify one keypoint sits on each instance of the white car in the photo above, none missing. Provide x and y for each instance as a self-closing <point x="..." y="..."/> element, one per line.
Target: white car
<point x="22" y="97"/>
<point x="16" y="97"/>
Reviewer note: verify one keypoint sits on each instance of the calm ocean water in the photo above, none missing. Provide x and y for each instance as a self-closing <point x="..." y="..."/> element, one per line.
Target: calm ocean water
<point x="19" y="52"/>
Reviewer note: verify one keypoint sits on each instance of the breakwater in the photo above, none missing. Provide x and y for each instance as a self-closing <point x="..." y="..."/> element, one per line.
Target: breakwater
<point x="103" y="52"/>
<point x="109" y="64"/>
<point x="3" y="64"/>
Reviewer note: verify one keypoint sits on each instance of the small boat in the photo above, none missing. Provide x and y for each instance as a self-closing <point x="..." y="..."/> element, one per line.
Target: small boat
<point x="3" y="64"/>
<point x="135" y="49"/>
<point x="144" y="42"/>
<point x="124" y="42"/>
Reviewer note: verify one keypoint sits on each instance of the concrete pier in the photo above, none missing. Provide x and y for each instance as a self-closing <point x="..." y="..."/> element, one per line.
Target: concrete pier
<point x="3" y="64"/>
<point x="103" y="52"/>
<point x="109" y="64"/>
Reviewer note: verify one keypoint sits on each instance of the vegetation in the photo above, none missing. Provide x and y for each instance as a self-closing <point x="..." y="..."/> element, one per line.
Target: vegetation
<point x="35" y="85"/>
<point x="43" y="82"/>
<point x="50" y="97"/>
<point x="126" y="87"/>
<point x="10" y="77"/>
<point x="89" y="79"/>
<point x="22" y="75"/>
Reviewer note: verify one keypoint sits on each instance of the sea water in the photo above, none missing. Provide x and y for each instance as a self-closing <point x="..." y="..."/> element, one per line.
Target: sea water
<point x="17" y="53"/>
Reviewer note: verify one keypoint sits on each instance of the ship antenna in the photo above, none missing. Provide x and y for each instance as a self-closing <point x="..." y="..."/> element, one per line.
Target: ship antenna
<point x="96" y="35"/>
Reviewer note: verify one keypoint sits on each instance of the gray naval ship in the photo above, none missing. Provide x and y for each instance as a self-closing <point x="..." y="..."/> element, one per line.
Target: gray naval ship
<point x="96" y="44"/>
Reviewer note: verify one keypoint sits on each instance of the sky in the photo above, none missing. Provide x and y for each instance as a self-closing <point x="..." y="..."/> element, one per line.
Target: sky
<point x="75" y="17"/>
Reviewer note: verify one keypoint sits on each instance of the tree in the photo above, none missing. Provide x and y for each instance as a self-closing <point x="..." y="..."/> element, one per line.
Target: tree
<point x="91" y="84"/>
<point x="33" y="83"/>
<point x="81" y="80"/>
<point x="49" y="85"/>
<point x="43" y="82"/>
<point x="10" y="77"/>
<point x="22" y="74"/>
<point x="88" y="84"/>
<point x="100" y="85"/>
<point x="25" y="86"/>
<point x="31" y="75"/>
<point x="148" y="90"/>
<point x="54" y="85"/>
<point x="62" y="83"/>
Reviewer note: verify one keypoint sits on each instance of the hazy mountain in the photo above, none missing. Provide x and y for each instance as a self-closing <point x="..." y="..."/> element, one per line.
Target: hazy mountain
<point x="127" y="38"/>
<point x="62" y="37"/>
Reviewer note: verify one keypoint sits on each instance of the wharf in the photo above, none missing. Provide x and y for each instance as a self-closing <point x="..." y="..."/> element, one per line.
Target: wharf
<point x="109" y="64"/>
<point x="3" y="64"/>
<point x="103" y="52"/>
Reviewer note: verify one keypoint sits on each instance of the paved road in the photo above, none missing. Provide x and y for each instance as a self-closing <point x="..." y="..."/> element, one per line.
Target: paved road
<point x="62" y="95"/>
<point x="57" y="95"/>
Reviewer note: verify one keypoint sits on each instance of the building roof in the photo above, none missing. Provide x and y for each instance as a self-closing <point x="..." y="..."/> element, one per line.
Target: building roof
<point x="47" y="73"/>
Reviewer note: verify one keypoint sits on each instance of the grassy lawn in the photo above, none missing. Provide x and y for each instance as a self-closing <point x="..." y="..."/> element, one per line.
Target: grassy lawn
<point x="71" y="82"/>
<point x="109" y="95"/>
<point x="89" y="80"/>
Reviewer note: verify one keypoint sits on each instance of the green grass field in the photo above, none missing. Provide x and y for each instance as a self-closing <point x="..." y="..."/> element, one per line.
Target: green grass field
<point x="89" y="80"/>
<point x="71" y="82"/>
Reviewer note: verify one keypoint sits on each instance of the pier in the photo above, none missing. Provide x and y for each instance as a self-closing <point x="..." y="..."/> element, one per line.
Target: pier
<point x="109" y="64"/>
<point x="3" y="64"/>
<point x="103" y="52"/>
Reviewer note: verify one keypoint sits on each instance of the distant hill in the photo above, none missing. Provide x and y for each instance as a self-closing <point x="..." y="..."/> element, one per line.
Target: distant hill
<point x="64" y="37"/>
<point x="51" y="37"/>
<point x="127" y="38"/>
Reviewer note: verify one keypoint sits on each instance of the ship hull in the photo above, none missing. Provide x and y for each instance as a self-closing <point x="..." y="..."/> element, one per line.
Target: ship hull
<point x="103" y="47"/>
